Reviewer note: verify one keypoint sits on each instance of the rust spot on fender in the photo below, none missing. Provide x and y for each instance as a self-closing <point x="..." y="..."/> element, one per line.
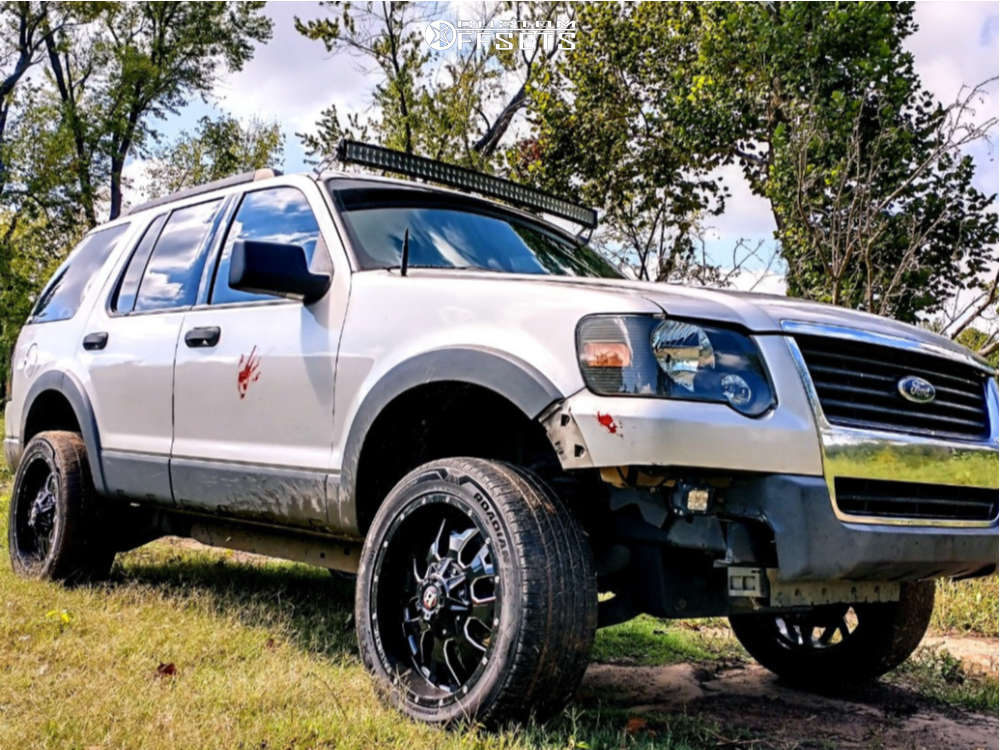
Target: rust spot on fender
<point x="248" y="372"/>
<point x="608" y="423"/>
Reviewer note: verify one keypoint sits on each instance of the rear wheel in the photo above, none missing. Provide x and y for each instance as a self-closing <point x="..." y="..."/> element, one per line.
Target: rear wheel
<point x="53" y="531"/>
<point x="840" y="644"/>
<point x="476" y="595"/>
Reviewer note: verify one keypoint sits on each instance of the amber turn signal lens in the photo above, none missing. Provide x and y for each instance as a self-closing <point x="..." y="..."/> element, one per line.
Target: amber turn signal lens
<point x="606" y="354"/>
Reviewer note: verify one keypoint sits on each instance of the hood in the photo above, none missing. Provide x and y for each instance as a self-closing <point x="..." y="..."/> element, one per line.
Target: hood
<point x="758" y="313"/>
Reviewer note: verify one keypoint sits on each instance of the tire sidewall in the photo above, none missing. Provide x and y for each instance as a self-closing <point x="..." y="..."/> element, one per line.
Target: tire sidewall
<point x="473" y="499"/>
<point x="886" y="635"/>
<point x="39" y="449"/>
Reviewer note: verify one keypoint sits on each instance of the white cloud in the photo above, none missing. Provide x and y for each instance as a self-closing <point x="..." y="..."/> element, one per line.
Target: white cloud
<point x="292" y="78"/>
<point x="767" y="282"/>
<point x="746" y="214"/>
<point x="956" y="46"/>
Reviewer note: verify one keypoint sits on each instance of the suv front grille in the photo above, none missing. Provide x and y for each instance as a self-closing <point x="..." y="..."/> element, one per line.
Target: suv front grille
<point x="857" y="384"/>
<point x="932" y="502"/>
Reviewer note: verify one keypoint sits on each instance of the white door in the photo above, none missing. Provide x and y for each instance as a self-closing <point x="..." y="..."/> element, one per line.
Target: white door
<point x="129" y="350"/>
<point x="254" y="378"/>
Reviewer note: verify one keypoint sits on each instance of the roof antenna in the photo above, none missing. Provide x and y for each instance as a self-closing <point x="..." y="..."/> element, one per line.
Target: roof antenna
<point x="404" y="261"/>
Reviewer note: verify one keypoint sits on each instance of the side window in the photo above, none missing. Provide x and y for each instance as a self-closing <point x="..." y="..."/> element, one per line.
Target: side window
<point x="174" y="268"/>
<point x="124" y="299"/>
<point x="276" y="215"/>
<point x="61" y="298"/>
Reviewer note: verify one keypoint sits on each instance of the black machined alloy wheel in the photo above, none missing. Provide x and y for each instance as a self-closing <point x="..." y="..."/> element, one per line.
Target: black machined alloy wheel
<point x="841" y="644"/>
<point x="34" y="514"/>
<point x="53" y="532"/>
<point x="819" y="628"/>
<point x="440" y="586"/>
<point x="476" y="595"/>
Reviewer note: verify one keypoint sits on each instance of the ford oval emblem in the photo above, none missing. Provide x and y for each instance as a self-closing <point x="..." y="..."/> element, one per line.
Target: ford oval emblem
<point x="915" y="389"/>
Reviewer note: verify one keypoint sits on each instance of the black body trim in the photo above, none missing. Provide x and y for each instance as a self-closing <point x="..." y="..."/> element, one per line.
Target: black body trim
<point x="68" y="386"/>
<point x="517" y="381"/>
<point x="814" y="545"/>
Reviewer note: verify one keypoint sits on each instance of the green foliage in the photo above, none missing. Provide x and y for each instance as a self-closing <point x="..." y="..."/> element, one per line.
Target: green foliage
<point x="818" y="103"/>
<point x="135" y="62"/>
<point x="384" y="34"/>
<point x="110" y="70"/>
<point x="611" y="127"/>
<point x="218" y="148"/>
<point x="967" y="607"/>
<point x="456" y="108"/>
<point x="936" y="673"/>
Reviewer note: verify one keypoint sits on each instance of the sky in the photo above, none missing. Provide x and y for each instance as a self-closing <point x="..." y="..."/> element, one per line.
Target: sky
<point x="292" y="79"/>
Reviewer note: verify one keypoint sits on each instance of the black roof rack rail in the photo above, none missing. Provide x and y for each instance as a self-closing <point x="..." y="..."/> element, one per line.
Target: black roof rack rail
<point x="379" y="157"/>
<point x="236" y="179"/>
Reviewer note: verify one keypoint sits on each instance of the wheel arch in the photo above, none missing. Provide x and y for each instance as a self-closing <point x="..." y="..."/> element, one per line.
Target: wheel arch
<point x="50" y="392"/>
<point x="510" y="381"/>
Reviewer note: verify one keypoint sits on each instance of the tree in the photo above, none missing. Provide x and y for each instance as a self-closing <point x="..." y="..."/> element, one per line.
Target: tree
<point x="24" y="28"/>
<point x="608" y="129"/>
<point x="459" y="108"/>
<point x="889" y="221"/>
<point x="385" y="34"/>
<point x="137" y="62"/>
<point x="218" y="148"/>
<point x="820" y="106"/>
<point x="109" y="71"/>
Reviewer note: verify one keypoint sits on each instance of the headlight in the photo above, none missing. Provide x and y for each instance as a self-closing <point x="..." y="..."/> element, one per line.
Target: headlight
<point x="644" y="355"/>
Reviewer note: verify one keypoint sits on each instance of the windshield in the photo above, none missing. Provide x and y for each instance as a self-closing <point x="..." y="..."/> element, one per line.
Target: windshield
<point x="450" y="232"/>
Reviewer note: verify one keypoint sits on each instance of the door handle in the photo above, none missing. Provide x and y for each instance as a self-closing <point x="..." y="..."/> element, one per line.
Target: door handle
<point x="95" y="341"/>
<point x="203" y="336"/>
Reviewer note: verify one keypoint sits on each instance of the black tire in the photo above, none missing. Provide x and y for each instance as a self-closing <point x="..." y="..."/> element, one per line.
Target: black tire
<point x="53" y="531"/>
<point x="818" y="649"/>
<point x="532" y="555"/>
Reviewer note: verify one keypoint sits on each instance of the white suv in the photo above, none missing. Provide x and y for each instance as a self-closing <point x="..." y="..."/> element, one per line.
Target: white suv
<point x="471" y="410"/>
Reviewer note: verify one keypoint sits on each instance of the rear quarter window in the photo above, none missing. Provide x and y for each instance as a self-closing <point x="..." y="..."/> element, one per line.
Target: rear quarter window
<point x="61" y="298"/>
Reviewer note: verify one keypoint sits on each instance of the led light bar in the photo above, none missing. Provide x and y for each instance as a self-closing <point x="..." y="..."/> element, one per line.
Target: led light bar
<point x="386" y="159"/>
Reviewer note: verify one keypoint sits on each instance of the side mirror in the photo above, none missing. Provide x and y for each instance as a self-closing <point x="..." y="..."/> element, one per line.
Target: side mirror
<point x="275" y="268"/>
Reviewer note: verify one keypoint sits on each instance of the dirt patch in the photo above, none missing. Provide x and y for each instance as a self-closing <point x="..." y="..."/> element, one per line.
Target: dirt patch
<point x="750" y="701"/>
<point x="978" y="654"/>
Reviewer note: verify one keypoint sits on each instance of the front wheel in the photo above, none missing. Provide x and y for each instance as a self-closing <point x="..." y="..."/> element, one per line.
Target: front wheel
<point x="476" y="595"/>
<point x="839" y="644"/>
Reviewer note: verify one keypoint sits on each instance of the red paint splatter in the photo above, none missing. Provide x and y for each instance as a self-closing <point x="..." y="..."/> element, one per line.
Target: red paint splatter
<point x="607" y="422"/>
<point x="248" y="373"/>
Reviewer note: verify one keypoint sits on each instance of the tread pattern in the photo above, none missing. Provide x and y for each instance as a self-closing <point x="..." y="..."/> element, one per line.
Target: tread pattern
<point x="887" y="634"/>
<point x="557" y="602"/>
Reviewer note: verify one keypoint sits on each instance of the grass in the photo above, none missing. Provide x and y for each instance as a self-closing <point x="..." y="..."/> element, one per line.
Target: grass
<point x="188" y="648"/>
<point x="935" y="673"/>
<point x="967" y="607"/>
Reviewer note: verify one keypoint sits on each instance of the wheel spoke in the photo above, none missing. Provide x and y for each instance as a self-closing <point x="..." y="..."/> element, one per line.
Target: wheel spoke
<point x="476" y="622"/>
<point x="457" y="543"/>
<point x="845" y="632"/>
<point x="452" y="654"/>
<point x="826" y="637"/>
<point x="434" y="553"/>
